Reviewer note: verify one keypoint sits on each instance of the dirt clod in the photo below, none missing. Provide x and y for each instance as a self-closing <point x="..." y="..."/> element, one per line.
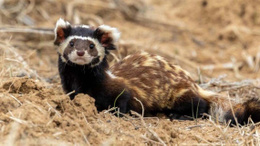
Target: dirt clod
<point x="21" y="85"/>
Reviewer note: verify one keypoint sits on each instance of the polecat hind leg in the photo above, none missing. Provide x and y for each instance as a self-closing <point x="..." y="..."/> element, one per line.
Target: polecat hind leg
<point x="122" y="102"/>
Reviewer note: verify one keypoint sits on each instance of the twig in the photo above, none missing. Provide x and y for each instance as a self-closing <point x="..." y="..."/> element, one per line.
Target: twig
<point x="151" y="131"/>
<point x="195" y="126"/>
<point x="141" y="105"/>
<point x="57" y="134"/>
<point x="42" y="31"/>
<point x="111" y="109"/>
<point x="20" y="121"/>
<point x="234" y="115"/>
<point x="228" y="65"/>
<point x="15" y="99"/>
<point x="249" y="60"/>
<point x="50" y="107"/>
<point x="84" y="136"/>
<point x="68" y="94"/>
<point x="208" y="143"/>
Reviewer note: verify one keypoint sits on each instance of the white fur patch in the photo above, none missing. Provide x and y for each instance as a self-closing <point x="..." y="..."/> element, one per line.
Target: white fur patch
<point x="60" y="23"/>
<point x="205" y="93"/>
<point x="99" y="47"/>
<point x="110" y="74"/>
<point x="80" y="60"/>
<point x="63" y="59"/>
<point x="217" y="112"/>
<point x="113" y="31"/>
<point x="217" y="109"/>
<point x="159" y="57"/>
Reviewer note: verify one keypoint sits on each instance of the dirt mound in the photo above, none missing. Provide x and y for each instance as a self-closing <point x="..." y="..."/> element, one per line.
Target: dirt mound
<point x="82" y="106"/>
<point x="21" y="85"/>
<point x="44" y="112"/>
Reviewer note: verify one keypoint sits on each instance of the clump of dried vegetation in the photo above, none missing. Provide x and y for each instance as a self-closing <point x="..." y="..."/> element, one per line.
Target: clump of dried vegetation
<point x="219" y="38"/>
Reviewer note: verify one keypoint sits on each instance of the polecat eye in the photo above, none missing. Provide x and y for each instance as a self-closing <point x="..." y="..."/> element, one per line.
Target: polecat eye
<point x="91" y="46"/>
<point x="71" y="44"/>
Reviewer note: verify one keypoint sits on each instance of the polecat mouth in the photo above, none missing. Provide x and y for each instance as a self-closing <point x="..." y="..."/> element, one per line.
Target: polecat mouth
<point x="80" y="60"/>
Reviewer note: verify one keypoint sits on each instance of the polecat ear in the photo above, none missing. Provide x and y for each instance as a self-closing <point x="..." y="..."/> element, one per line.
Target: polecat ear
<point x="61" y="31"/>
<point x="107" y="36"/>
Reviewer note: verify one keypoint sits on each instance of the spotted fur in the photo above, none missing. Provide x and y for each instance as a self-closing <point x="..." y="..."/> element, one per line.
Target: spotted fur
<point x="161" y="86"/>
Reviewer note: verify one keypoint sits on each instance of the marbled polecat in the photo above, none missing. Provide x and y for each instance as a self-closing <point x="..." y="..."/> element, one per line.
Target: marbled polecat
<point x="159" y="85"/>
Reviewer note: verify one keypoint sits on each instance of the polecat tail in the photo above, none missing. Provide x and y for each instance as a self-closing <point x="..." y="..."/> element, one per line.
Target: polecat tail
<point x="244" y="111"/>
<point x="223" y="110"/>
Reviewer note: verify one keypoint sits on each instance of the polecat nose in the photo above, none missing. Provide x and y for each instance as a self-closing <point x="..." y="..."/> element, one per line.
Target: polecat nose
<point x="80" y="53"/>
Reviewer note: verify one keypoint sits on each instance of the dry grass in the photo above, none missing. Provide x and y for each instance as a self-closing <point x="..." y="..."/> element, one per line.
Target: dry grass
<point x="37" y="112"/>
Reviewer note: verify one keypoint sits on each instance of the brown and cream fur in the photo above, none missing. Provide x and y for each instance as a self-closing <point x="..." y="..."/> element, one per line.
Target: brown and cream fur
<point x="154" y="81"/>
<point x="167" y="88"/>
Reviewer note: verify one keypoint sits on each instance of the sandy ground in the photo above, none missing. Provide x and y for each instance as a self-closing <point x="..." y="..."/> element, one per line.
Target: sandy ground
<point x="218" y="43"/>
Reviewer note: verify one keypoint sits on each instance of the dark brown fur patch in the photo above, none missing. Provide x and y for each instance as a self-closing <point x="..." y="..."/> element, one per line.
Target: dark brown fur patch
<point x="250" y="108"/>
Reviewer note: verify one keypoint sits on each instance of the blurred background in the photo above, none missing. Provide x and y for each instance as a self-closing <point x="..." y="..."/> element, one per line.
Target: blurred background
<point x="207" y="38"/>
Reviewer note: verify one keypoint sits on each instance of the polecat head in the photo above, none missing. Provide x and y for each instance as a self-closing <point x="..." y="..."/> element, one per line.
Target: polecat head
<point x="82" y="44"/>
